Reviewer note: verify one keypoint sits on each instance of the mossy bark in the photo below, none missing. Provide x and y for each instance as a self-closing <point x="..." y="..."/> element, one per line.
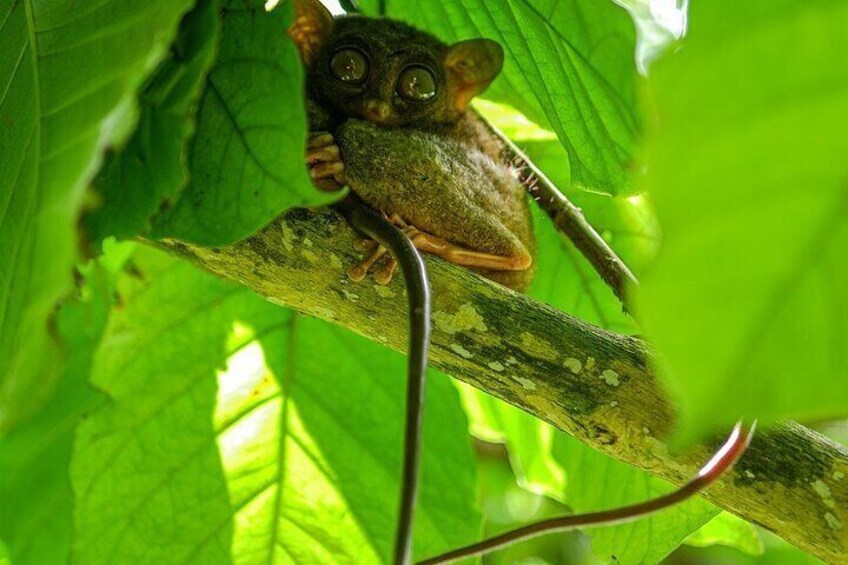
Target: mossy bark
<point x="596" y="385"/>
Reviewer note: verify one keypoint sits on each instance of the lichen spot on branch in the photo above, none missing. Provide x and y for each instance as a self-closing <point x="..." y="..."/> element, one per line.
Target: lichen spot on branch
<point x="466" y="318"/>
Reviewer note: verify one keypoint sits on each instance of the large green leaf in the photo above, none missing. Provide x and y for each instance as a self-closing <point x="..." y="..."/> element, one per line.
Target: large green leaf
<point x="151" y="169"/>
<point x="747" y="301"/>
<point x="569" y="64"/>
<point x="240" y="432"/>
<point x="68" y="76"/>
<point x="247" y="158"/>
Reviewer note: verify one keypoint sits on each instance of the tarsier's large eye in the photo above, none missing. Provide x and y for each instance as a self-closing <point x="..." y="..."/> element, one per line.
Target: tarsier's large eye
<point x="350" y="65"/>
<point x="416" y="83"/>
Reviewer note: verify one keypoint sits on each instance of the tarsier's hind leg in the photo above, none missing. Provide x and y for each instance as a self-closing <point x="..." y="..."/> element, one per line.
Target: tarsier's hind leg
<point x="468" y="257"/>
<point x="440" y="247"/>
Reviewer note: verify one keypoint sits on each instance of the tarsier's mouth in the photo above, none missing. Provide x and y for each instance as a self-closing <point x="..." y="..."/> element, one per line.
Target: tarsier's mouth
<point x="378" y="112"/>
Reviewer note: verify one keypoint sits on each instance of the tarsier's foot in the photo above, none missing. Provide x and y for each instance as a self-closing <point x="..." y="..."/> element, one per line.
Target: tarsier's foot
<point x="436" y="246"/>
<point x="358" y="272"/>
<point x="324" y="161"/>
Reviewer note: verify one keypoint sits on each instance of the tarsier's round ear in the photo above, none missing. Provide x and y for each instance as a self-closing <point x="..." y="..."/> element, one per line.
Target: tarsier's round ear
<point x="311" y="26"/>
<point x="471" y="66"/>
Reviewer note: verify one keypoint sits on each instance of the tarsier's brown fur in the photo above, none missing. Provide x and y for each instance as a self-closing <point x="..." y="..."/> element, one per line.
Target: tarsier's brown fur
<point x="432" y="164"/>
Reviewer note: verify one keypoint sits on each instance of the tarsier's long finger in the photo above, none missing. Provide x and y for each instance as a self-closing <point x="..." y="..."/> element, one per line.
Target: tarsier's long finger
<point x="327" y="185"/>
<point x="319" y="139"/>
<point x="327" y="170"/>
<point x="326" y="154"/>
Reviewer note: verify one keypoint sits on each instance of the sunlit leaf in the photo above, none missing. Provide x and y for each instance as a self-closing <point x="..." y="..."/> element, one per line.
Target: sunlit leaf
<point x="727" y="529"/>
<point x="240" y="432"/>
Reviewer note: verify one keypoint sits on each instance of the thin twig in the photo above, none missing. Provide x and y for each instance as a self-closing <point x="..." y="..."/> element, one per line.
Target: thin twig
<point x="569" y="220"/>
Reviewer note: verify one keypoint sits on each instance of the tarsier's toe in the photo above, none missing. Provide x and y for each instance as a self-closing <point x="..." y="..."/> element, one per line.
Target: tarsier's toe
<point x="384" y="275"/>
<point x="358" y="272"/>
<point x="366" y="244"/>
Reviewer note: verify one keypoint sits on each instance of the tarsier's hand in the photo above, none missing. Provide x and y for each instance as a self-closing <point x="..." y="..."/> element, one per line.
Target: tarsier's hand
<point x="324" y="161"/>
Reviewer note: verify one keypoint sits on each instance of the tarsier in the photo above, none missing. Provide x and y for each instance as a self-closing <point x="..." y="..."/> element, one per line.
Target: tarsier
<point x="390" y="119"/>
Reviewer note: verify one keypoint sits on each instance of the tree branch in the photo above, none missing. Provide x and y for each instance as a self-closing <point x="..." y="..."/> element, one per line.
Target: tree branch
<point x="591" y="383"/>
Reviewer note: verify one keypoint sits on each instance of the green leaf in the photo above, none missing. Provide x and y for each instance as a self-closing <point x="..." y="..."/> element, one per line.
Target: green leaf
<point x="246" y="159"/>
<point x="37" y="512"/>
<point x="241" y="432"/>
<point x="527" y="438"/>
<point x="569" y="65"/>
<point x="597" y="482"/>
<point x="747" y="300"/>
<point x="68" y="77"/>
<point x="151" y="169"/>
<point x="727" y="529"/>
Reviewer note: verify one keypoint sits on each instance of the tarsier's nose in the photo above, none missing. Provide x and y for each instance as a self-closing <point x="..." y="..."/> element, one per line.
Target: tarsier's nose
<point x="377" y="110"/>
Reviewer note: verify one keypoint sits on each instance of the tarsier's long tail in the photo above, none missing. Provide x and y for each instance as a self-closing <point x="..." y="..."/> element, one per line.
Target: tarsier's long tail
<point x="414" y="272"/>
<point x="721" y="461"/>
